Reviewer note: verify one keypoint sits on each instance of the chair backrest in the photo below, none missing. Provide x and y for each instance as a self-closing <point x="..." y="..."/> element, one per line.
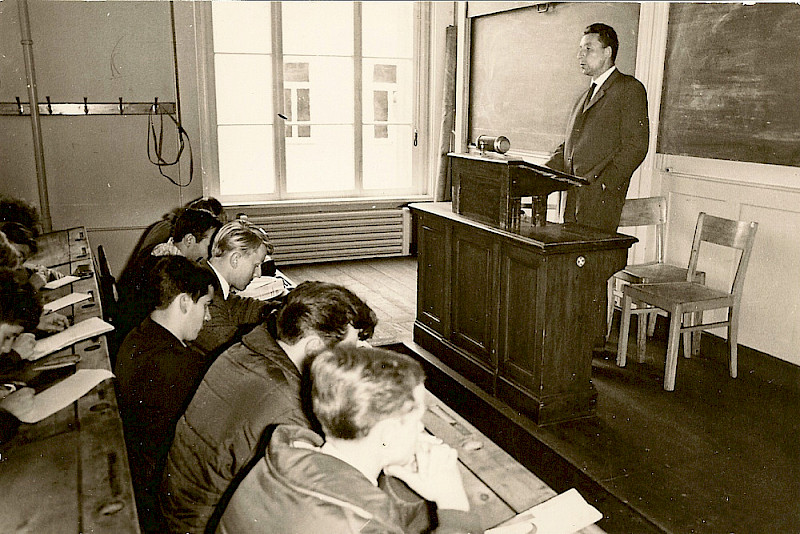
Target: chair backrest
<point x="107" y="283"/>
<point x="739" y="235"/>
<point x="648" y="211"/>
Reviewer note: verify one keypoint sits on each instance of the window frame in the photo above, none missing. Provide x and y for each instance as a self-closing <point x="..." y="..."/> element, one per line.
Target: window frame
<point x="420" y="122"/>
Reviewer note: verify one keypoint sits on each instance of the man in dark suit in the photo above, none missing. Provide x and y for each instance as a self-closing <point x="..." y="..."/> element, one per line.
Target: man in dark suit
<point x="607" y="134"/>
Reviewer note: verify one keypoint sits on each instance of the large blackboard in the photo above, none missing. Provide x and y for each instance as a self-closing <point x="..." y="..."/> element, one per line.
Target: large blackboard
<point x="732" y="83"/>
<point x="524" y="75"/>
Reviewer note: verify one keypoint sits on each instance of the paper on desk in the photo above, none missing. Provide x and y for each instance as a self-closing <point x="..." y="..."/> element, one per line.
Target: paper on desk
<point x="64" y="393"/>
<point x="563" y="514"/>
<point x="68" y="300"/>
<point x="93" y="326"/>
<point x="263" y="288"/>
<point x="58" y="282"/>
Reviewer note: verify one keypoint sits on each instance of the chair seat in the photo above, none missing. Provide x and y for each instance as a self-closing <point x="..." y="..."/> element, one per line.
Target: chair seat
<point x="646" y="273"/>
<point x="695" y="297"/>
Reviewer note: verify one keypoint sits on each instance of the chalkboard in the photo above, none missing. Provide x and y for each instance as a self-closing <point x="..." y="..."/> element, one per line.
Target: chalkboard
<point x="732" y="83"/>
<point x="524" y="75"/>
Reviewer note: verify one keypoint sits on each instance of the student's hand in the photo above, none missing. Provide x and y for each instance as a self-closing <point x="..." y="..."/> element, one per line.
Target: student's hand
<point x="24" y="345"/>
<point x="18" y="403"/>
<point x="434" y="475"/>
<point x="52" y="322"/>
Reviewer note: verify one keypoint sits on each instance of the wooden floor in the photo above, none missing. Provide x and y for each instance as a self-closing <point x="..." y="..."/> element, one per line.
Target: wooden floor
<point x="718" y="455"/>
<point x="388" y="286"/>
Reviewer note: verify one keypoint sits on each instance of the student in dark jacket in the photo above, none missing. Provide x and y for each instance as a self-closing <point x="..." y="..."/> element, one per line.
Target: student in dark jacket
<point x="191" y="237"/>
<point x="157" y="373"/>
<point x="19" y="311"/>
<point x="253" y="385"/>
<point x="370" y="403"/>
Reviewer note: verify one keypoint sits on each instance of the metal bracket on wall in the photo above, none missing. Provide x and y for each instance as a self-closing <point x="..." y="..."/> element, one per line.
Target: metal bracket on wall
<point x="89" y="108"/>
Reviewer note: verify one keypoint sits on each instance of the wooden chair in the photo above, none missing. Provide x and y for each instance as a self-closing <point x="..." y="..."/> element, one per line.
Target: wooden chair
<point x="108" y="286"/>
<point x="636" y="212"/>
<point x="686" y="301"/>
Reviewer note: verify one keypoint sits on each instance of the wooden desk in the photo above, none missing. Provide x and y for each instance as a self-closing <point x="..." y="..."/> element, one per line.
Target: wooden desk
<point x="498" y="487"/>
<point x="516" y="313"/>
<point x="69" y="472"/>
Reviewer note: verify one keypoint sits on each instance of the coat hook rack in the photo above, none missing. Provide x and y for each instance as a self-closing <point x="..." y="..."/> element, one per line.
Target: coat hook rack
<point x="89" y="108"/>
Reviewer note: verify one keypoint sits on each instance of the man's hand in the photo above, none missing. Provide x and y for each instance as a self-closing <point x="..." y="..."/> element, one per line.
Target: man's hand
<point x="434" y="475"/>
<point x="52" y="322"/>
<point x="24" y="345"/>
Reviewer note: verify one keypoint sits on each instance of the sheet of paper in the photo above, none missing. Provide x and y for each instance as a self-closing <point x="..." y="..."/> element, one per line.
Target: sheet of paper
<point x="61" y="282"/>
<point x="64" y="393"/>
<point x="563" y="514"/>
<point x="93" y="326"/>
<point x="68" y="300"/>
<point x="263" y="288"/>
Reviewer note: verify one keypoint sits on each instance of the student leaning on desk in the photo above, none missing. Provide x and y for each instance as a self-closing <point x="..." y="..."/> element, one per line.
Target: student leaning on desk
<point x="19" y="310"/>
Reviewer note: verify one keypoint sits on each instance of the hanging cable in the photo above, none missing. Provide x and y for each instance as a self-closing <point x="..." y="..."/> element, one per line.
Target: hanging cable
<point x="155" y="146"/>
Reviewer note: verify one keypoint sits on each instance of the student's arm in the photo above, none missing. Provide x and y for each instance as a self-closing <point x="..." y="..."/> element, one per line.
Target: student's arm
<point x="436" y="477"/>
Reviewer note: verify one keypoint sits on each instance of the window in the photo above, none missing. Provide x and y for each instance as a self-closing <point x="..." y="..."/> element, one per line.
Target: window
<point x="316" y="99"/>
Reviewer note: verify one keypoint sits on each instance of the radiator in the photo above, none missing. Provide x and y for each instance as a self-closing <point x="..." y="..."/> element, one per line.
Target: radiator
<point x="342" y="235"/>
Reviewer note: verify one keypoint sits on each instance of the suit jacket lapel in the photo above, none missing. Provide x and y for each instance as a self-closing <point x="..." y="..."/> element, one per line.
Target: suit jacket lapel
<point x="602" y="90"/>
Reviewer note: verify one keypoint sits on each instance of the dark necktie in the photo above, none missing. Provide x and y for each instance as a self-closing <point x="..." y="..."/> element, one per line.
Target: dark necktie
<point x="589" y="96"/>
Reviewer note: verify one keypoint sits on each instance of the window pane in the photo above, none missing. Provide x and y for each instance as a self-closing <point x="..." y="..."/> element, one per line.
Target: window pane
<point x="319" y="28"/>
<point x="244" y="88"/>
<point x="241" y="27"/>
<point x="399" y="93"/>
<point x="330" y="99"/>
<point x="322" y="162"/>
<point x="388" y="29"/>
<point x="387" y="162"/>
<point x="245" y="160"/>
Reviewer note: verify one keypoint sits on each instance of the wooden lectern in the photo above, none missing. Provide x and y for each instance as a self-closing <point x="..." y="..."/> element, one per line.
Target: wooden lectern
<point x="489" y="189"/>
<point x="511" y="305"/>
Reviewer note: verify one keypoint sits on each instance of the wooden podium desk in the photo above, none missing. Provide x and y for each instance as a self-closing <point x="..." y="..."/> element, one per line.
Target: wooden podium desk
<point x="516" y="313"/>
<point x="69" y="472"/>
<point x="498" y="486"/>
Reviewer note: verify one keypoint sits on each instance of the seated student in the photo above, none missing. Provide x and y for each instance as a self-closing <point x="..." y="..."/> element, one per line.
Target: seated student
<point x="157" y="373"/>
<point x="370" y="403"/>
<point x="191" y="237"/>
<point x="19" y="310"/>
<point x="160" y="231"/>
<point x="238" y="250"/>
<point x="253" y="385"/>
<point x="24" y="242"/>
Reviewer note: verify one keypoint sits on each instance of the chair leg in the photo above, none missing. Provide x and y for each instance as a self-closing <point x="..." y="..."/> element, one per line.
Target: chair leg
<point x="622" y="344"/>
<point x="671" y="365"/>
<point x="733" y="339"/>
<point x="610" y="306"/>
<point x="696" y="334"/>
<point x="687" y="337"/>
<point x="651" y="323"/>
<point x="641" y="338"/>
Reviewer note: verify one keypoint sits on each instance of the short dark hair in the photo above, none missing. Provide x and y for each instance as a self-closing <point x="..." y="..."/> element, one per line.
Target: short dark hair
<point x="19" y="304"/>
<point x="194" y="221"/>
<point x="19" y="211"/>
<point x="19" y="234"/>
<point x="173" y="275"/>
<point x="324" y="309"/>
<point x="210" y="204"/>
<point x="354" y="388"/>
<point x="606" y="35"/>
